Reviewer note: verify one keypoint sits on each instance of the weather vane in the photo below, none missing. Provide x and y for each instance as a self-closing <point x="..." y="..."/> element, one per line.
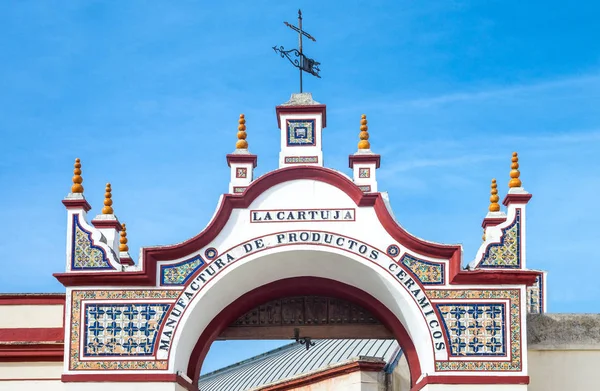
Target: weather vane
<point x="295" y="56"/>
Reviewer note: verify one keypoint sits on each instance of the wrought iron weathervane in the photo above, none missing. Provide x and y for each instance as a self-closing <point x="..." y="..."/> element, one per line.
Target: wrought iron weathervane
<point x="295" y="56"/>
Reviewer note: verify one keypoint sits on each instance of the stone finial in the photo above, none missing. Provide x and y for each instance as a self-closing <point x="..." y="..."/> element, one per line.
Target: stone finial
<point x="241" y="135"/>
<point x="77" y="179"/>
<point x="123" y="240"/>
<point x="514" y="172"/>
<point x="108" y="210"/>
<point x="364" y="134"/>
<point x="494" y="205"/>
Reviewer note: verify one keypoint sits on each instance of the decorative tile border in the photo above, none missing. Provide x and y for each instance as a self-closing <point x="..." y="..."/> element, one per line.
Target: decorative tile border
<point x="79" y="299"/>
<point x="535" y="296"/>
<point x="85" y="255"/>
<point x="301" y="132"/>
<point x="364" y="172"/>
<point x="300" y="159"/>
<point x="507" y="253"/>
<point x="241" y="172"/>
<point x="179" y="273"/>
<point x="429" y="273"/>
<point x="121" y="329"/>
<point x="211" y="253"/>
<point x="365" y="188"/>
<point x="475" y="329"/>
<point x="393" y="250"/>
<point x="513" y="325"/>
<point x="238" y="189"/>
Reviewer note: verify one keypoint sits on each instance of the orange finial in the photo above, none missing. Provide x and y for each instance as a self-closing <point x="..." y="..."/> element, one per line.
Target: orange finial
<point x="241" y="135"/>
<point x="494" y="205"/>
<point x="514" y="172"/>
<point x="108" y="210"/>
<point x="77" y="179"/>
<point x="123" y="240"/>
<point x="364" y="134"/>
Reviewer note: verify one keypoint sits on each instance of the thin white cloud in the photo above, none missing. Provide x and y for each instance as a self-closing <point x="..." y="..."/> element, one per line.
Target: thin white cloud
<point x="505" y="91"/>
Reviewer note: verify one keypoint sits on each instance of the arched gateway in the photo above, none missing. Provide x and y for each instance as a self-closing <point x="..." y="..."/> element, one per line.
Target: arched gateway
<point x="300" y="230"/>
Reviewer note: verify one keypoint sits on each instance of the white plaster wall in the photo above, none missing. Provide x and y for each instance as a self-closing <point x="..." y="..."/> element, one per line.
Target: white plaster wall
<point x="31" y="316"/>
<point x="56" y="385"/>
<point x="30" y="370"/>
<point x="401" y="376"/>
<point x="46" y="385"/>
<point x="372" y="381"/>
<point x="572" y="370"/>
<point x="123" y="387"/>
<point x="475" y="387"/>
<point x="355" y="381"/>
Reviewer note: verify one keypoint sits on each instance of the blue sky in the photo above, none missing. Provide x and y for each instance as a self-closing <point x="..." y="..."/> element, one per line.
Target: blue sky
<point x="147" y="94"/>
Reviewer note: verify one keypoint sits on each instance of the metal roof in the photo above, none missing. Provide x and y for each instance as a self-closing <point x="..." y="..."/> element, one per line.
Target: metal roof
<point x="293" y="360"/>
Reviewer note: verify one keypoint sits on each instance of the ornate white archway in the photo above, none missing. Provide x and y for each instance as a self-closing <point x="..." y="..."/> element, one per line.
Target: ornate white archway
<point x="298" y="222"/>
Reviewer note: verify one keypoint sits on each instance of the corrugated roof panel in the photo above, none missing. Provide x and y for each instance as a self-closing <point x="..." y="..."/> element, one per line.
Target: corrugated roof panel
<point x="293" y="360"/>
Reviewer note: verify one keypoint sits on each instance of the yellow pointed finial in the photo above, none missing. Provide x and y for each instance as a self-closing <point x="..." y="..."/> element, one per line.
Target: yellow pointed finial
<point x="483" y="236"/>
<point x="241" y="135"/>
<point x="494" y="205"/>
<point x="364" y="134"/>
<point x="514" y="172"/>
<point x="123" y="240"/>
<point x="77" y="179"/>
<point x="107" y="210"/>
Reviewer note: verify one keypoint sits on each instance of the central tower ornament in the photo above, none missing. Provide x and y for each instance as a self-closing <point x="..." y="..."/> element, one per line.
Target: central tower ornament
<point x="295" y="56"/>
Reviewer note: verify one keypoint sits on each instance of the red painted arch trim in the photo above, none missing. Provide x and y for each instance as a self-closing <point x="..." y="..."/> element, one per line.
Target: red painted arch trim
<point x="114" y="224"/>
<point x="308" y="109"/>
<point x="242" y="158"/>
<point x="32" y="299"/>
<point x="32" y="352"/>
<point x="492" y="221"/>
<point x="32" y="334"/>
<point x="128" y="378"/>
<point x="364" y="158"/>
<point x="77" y="204"/>
<point x="516" y="199"/>
<point x="300" y="286"/>
<point x="483" y="379"/>
<point x="147" y="277"/>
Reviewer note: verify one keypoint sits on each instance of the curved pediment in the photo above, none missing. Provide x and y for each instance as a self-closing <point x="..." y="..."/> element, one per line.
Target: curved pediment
<point x="317" y="187"/>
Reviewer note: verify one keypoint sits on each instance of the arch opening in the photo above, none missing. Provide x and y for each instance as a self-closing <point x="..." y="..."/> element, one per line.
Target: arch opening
<point x="304" y="286"/>
<point x="293" y="271"/>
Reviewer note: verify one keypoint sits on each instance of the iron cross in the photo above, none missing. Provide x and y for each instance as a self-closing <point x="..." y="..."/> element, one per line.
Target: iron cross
<point x="301" y="62"/>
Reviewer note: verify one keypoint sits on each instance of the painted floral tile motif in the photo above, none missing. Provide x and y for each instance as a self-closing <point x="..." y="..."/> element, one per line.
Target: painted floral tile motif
<point x="135" y="300"/>
<point x="179" y="273"/>
<point x="506" y="253"/>
<point x="512" y="327"/>
<point x="475" y="329"/>
<point x="122" y="329"/>
<point x="85" y="255"/>
<point x="429" y="273"/>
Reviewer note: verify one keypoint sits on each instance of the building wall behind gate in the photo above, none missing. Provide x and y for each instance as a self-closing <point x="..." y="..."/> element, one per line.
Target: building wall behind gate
<point x="571" y="370"/>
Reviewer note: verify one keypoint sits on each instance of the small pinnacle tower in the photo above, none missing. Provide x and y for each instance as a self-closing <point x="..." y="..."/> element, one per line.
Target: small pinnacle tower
<point x="75" y="199"/>
<point x="106" y="222"/>
<point x="364" y="162"/>
<point x="77" y="179"/>
<point x="301" y="121"/>
<point x="514" y="172"/>
<point x="241" y="161"/>
<point x="107" y="209"/>
<point x="124" y="256"/>
<point x="494" y="205"/>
